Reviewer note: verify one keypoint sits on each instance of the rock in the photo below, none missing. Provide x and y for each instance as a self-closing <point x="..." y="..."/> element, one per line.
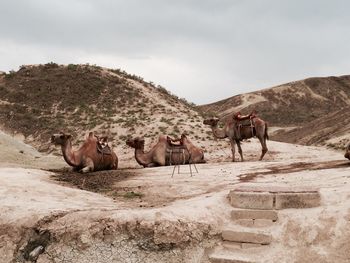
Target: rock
<point x="36" y="252"/>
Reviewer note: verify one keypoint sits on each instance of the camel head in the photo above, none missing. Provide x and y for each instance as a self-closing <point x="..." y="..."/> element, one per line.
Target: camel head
<point x="137" y="143"/>
<point x="60" y="138"/>
<point x="212" y="122"/>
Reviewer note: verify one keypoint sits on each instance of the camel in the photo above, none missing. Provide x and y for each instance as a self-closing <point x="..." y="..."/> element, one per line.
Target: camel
<point x="160" y="155"/>
<point x="230" y="131"/>
<point x="347" y="153"/>
<point x="89" y="157"/>
<point x="197" y="154"/>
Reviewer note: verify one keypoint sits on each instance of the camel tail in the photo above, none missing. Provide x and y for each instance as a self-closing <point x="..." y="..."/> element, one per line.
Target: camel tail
<point x="266" y="135"/>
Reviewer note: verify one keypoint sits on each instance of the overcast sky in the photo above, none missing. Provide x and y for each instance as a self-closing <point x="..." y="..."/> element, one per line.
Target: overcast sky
<point x="203" y="50"/>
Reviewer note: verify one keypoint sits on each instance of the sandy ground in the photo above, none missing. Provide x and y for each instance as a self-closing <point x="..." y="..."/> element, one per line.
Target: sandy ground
<point x="180" y="214"/>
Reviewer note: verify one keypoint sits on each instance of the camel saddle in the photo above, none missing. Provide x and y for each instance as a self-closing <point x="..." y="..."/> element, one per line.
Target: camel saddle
<point x="239" y="117"/>
<point x="104" y="149"/>
<point x="174" y="142"/>
<point x="245" y="121"/>
<point x="175" y="154"/>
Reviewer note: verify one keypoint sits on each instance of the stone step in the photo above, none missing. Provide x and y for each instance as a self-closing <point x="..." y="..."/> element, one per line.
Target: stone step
<point x="254" y="218"/>
<point x="229" y="255"/>
<point x="239" y="245"/>
<point x="270" y="197"/>
<point x="228" y="258"/>
<point x="246" y="235"/>
<point x="237" y="214"/>
<point x="254" y="222"/>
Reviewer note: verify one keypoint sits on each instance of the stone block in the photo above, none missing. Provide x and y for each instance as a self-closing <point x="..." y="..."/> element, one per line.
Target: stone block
<point x="227" y="259"/>
<point x="251" y="200"/>
<point x="254" y="214"/>
<point x="246" y="237"/>
<point x="297" y="200"/>
<point x="250" y="245"/>
<point x="262" y="223"/>
<point x="245" y="222"/>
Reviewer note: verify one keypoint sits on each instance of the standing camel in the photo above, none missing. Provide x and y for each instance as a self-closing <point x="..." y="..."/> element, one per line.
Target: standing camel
<point x="88" y="157"/>
<point x="230" y="129"/>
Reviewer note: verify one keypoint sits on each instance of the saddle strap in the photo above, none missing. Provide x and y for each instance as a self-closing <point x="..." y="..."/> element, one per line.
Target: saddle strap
<point x="183" y="157"/>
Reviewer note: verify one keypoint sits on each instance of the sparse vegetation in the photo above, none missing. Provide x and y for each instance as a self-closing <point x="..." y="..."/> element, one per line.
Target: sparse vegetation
<point x="133" y="195"/>
<point x="77" y="98"/>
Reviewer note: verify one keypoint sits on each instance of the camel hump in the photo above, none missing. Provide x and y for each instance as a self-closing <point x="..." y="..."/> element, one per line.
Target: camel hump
<point x="174" y="142"/>
<point x="162" y="138"/>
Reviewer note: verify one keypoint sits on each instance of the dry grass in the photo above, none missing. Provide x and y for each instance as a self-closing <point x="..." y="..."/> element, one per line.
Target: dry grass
<point x="76" y="99"/>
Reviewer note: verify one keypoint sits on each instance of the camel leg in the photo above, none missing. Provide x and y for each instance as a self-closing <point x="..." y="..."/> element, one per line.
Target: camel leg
<point x="233" y="149"/>
<point x="89" y="167"/>
<point x="240" y="149"/>
<point x="263" y="147"/>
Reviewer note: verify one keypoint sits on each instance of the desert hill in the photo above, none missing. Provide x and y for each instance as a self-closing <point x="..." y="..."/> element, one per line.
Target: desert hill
<point x="332" y="130"/>
<point x="296" y="102"/>
<point x="310" y="111"/>
<point x="39" y="100"/>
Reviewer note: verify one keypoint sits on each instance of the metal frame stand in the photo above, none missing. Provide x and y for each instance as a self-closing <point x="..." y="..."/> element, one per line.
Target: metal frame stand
<point x="190" y="163"/>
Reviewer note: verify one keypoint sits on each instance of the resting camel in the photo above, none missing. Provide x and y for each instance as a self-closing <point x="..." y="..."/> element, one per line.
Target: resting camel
<point x="347" y="153"/>
<point x="160" y="154"/>
<point x="88" y="157"/>
<point x="197" y="154"/>
<point x="236" y="134"/>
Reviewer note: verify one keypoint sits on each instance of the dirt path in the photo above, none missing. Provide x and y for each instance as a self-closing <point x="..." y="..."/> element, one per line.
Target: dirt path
<point x="295" y="167"/>
<point x="148" y="215"/>
<point x="112" y="183"/>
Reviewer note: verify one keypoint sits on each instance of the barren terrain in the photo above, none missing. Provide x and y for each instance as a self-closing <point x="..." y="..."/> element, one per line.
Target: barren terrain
<point x="144" y="215"/>
<point x="50" y="214"/>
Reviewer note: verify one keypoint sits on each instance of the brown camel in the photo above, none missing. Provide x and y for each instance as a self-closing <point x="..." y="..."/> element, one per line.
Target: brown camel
<point x="89" y="157"/>
<point x="230" y="129"/>
<point x="162" y="154"/>
<point x="347" y="153"/>
<point x="197" y="154"/>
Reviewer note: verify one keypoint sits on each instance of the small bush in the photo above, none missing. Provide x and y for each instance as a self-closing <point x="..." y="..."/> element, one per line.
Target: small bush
<point x="133" y="195"/>
<point x="72" y="67"/>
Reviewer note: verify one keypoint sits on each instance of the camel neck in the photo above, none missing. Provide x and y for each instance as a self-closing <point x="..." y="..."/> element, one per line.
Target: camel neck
<point x="141" y="157"/>
<point x="219" y="133"/>
<point x="68" y="154"/>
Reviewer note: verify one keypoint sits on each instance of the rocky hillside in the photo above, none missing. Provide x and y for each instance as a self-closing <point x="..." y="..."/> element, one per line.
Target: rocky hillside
<point x="314" y="111"/>
<point x="332" y="130"/>
<point x="292" y="104"/>
<point x="39" y="100"/>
